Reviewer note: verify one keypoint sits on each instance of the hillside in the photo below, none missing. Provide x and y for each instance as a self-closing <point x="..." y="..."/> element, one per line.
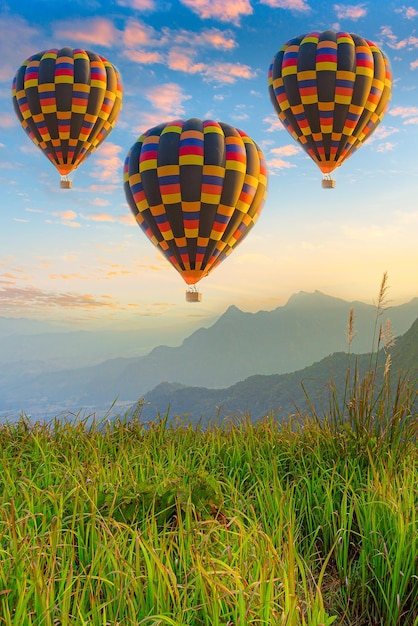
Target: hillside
<point x="283" y="394"/>
<point x="310" y="327"/>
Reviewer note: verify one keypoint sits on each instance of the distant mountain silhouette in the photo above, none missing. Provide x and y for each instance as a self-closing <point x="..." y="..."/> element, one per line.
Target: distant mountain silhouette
<point x="282" y="395"/>
<point x="308" y="328"/>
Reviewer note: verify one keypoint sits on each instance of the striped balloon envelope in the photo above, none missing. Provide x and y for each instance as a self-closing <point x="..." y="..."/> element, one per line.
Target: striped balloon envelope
<point x="196" y="188"/>
<point x="330" y="90"/>
<point x="67" y="101"/>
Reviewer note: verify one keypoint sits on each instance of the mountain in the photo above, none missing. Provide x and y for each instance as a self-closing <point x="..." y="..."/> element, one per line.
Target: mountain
<point x="282" y="395"/>
<point x="308" y="328"/>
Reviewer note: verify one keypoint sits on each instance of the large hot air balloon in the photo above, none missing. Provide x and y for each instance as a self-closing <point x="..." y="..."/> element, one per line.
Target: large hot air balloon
<point x="196" y="188"/>
<point x="67" y="101"/>
<point x="330" y="90"/>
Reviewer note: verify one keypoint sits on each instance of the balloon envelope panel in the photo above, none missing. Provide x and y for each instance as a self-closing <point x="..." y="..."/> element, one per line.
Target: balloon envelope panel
<point x="196" y="188"/>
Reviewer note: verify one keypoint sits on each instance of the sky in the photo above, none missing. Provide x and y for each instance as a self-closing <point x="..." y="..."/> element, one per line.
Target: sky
<point x="77" y="256"/>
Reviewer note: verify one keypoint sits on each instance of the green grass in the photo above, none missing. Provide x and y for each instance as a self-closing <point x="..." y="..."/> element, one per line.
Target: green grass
<point x="306" y="522"/>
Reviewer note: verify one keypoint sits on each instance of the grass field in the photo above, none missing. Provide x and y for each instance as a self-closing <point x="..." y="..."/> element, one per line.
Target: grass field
<point x="308" y="521"/>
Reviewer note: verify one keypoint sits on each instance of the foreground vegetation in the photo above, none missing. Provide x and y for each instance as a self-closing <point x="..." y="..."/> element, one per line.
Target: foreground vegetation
<point x="312" y="521"/>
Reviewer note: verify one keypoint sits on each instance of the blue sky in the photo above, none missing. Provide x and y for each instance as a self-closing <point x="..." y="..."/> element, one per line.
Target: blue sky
<point x="78" y="256"/>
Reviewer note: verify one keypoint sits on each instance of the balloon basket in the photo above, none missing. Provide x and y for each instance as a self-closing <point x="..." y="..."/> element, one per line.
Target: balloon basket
<point x="193" y="296"/>
<point x="328" y="183"/>
<point x="65" y="184"/>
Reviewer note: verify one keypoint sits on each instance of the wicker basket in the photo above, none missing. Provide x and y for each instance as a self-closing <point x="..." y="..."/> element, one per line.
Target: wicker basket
<point x="193" y="296"/>
<point x="328" y="183"/>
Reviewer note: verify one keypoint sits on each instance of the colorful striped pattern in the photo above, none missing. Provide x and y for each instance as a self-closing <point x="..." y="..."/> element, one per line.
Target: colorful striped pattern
<point x="330" y="91"/>
<point x="196" y="188"/>
<point x="67" y="101"/>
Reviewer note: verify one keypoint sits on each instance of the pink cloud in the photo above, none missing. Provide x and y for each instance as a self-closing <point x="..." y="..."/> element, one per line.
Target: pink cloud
<point x="385" y="147"/>
<point x="144" y="57"/>
<point x="278" y="164"/>
<point x="214" y="37"/>
<point x="180" y="59"/>
<point x="413" y="65"/>
<point x="139" y="35"/>
<point x="274" y="123"/>
<point x="168" y="98"/>
<point x="18" y="41"/>
<point x="350" y="12"/>
<point x="108" y="163"/>
<point x="138" y="5"/>
<point x="288" y="150"/>
<point x="393" y="42"/>
<point x="291" y="5"/>
<point x="408" y="12"/>
<point x="227" y="73"/>
<point x="7" y="120"/>
<point x="404" y="112"/>
<point x="224" y="10"/>
<point x="33" y="297"/>
<point x="98" y="31"/>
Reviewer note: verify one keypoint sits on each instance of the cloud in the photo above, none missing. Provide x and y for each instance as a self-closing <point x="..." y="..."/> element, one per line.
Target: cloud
<point x="181" y="59"/>
<point x="145" y="57"/>
<point x="138" y="5"/>
<point x="291" y="5"/>
<point x="385" y="147"/>
<point x="288" y="150"/>
<point x="413" y="65"/>
<point x="137" y="34"/>
<point x="108" y="217"/>
<point x="408" y="12"/>
<point x="7" y="120"/>
<point x="350" y="12"/>
<point x="95" y="30"/>
<point x="273" y="122"/>
<point x="18" y="41"/>
<point x="220" y="40"/>
<point x="223" y="10"/>
<point x="168" y="98"/>
<point x="67" y="218"/>
<point x="278" y="164"/>
<point x="384" y="131"/>
<point x="24" y="298"/>
<point x="392" y="40"/>
<point x="405" y="112"/>
<point x="108" y="164"/>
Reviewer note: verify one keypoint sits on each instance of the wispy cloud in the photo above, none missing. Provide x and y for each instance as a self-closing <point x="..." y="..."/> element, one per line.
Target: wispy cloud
<point x="184" y="51"/>
<point x="67" y="218"/>
<point x="19" y="39"/>
<point x="110" y="218"/>
<point x="409" y="13"/>
<point x="25" y="298"/>
<point x="108" y="163"/>
<point x="288" y="150"/>
<point x="95" y="30"/>
<point x="291" y="5"/>
<point x="408" y="113"/>
<point x="385" y="147"/>
<point x="168" y="98"/>
<point x="223" y="10"/>
<point x="274" y="123"/>
<point x="138" y="5"/>
<point x="7" y="120"/>
<point x="350" y="12"/>
<point x="393" y="42"/>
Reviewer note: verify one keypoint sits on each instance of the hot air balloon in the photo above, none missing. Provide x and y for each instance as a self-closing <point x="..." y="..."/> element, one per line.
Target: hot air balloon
<point x="196" y="188"/>
<point x="67" y="101"/>
<point x="331" y="91"/>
